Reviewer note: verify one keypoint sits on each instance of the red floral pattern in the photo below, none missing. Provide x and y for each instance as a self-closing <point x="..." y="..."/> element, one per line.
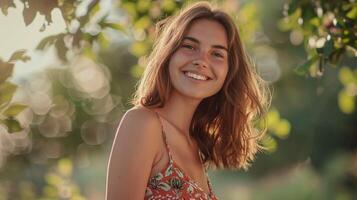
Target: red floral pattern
<point x="173" y="184"/>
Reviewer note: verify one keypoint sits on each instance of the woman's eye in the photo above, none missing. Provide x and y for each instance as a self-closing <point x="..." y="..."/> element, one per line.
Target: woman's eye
<point x="188" y="46"/>
<point x="218" y="55"/>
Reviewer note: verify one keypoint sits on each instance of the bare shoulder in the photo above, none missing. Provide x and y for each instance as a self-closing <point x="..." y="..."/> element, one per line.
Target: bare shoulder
<point x="140" y="123"/>
<point x="142" y="114"/>
<point x="138" y="136"/>
<point x="142" y="118"/>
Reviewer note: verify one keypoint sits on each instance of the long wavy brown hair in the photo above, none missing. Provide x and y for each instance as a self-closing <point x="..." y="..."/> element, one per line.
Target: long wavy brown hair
<point x="223" y="124"/>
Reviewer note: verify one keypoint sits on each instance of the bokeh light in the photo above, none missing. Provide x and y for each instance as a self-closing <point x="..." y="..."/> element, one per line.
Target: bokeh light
<point x="84" y="66"/>
<point x="94" y="132"/>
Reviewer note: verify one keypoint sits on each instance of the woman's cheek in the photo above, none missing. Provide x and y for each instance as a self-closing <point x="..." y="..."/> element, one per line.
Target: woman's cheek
<point x="222" y="71"/>
<point x="181" y="58"/>
<point x="175" y="59"/>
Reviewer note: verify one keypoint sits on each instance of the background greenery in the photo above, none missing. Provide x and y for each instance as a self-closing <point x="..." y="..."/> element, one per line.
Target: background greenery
<point x="57" y="124"/>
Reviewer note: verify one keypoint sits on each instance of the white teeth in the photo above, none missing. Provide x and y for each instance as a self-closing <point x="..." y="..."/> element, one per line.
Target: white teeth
<point x="196" y="76"/>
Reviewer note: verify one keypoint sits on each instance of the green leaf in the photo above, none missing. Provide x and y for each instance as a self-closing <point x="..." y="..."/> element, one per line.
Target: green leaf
<point x="103" y="40"/>
<point x="284" y="25"/>
<point x="130" y="8"/>
<point x="328" y="48"/>
<point x="47" y="41"/>
<point x="168" y="5"/>
<point x="136" y="71"/>
<point x="29" y="15"/>
<point x="143" y="5"/>
<point x="61" y="49"/>
<point x="5" y="5"/>
<point x="68" y="9"/>
<point x="6" y="70"/>
<point x="336" y="55"/>
<point x="351" y="50"/>
<point x="308" y="12"/>
<point x="304" y="68"/>
<point x="346" y="76"/>
<point x="12" y="125"/>
<point x="293" y="5"/>
<point x="88" y="52"/>
<point x="346" y="102"/>
<point x="14" y="109"/>
<point x="19" y="55"/>
<point x="7" y="90"/>
<point x="315" y="22"/>
<point x="65" y="167"/>
<point x="273" y="118"/>
<point x="282" y="128"/>
<point x="139" y="48"/>
<point x="348" y="6"/>
<point x="116" y="26"/>
<point x="352" y="13"/>
<point x="142" y="23"/>
<point x="94" y="8"/>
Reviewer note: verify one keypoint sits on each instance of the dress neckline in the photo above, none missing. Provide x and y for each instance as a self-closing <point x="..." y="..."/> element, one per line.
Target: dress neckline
<point x="173" y="164"/>
<point x="209" y="193"/>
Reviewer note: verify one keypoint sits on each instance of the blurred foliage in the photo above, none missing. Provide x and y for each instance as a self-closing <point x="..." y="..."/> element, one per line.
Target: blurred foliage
<point x="329" y="32"/>
<point x="58" y="184"/>
<point x="277" y="127"/>
<point x="75" y="108"/>
<point x="82" y="29"/>
<point x="346" y="97"/>
<point x="142" y="18"/>
<point x="8" y="109"/>
<point x="70" y="108"/>
<point x="303" y="182"/>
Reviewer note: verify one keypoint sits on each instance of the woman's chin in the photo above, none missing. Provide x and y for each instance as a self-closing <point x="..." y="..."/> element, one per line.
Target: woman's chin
<point x="194" y="95"/>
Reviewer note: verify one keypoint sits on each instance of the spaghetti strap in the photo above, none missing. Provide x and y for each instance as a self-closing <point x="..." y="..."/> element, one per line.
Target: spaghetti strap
<point x="173" y="170"/>
<point x="164" y="137"/>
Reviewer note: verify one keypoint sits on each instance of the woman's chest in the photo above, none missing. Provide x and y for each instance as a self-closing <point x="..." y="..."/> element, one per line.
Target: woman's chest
<point x="187" y="160"/>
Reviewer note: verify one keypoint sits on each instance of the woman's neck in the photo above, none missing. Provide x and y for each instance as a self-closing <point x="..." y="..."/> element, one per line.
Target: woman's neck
<point x="179" y="110"/>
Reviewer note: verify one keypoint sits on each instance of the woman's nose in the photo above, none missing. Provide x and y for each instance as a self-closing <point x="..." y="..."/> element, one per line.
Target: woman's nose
<point x="201" y="60"/>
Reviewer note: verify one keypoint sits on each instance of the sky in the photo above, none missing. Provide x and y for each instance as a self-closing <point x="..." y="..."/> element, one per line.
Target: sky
<point x="14" y="35"/>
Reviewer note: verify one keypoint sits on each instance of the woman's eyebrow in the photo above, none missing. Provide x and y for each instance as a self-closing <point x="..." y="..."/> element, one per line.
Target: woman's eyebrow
<point x="198" y="42"/>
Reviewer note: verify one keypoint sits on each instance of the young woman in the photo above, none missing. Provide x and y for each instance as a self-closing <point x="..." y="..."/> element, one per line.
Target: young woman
<point x="194" y="109"/>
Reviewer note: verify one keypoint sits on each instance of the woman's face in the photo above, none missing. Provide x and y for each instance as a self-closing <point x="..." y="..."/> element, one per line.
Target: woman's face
<point x="199" y="66"/>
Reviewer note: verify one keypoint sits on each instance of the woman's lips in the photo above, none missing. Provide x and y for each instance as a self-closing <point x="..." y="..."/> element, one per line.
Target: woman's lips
<point x="195" y="76"/>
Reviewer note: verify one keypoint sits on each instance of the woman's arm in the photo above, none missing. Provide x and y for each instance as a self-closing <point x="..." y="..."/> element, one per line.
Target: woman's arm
<point x="135" y="147"/>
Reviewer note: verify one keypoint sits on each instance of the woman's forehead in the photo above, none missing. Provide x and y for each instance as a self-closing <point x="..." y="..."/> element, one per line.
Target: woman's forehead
<point x="207" y="31"/>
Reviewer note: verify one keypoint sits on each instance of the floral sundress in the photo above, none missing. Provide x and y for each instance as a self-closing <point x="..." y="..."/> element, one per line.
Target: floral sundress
<point x="172" y="183"/>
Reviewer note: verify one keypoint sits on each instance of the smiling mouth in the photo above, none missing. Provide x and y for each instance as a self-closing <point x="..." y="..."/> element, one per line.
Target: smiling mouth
<point x="196" y="76"/>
